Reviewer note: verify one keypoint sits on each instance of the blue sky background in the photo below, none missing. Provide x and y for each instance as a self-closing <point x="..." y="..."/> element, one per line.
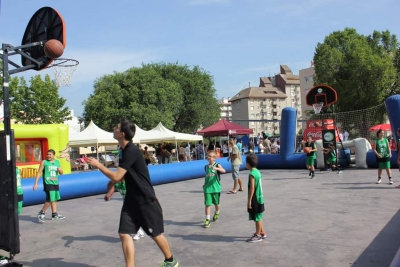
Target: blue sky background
<point x="236" y="41"/>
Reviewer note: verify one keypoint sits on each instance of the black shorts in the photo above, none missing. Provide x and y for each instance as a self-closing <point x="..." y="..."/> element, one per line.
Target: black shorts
<point x="148" y="216"/>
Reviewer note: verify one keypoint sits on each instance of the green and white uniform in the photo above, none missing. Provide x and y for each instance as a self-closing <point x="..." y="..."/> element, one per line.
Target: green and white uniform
<point x="310" y="156"/>
<point x="382" y="147"/>
<point x="212" y="186"/>
<point x="50" y="179"/>
<point x="257" y="201"/>
<point x="20" y="192"/>
<point x="332" y="157"/>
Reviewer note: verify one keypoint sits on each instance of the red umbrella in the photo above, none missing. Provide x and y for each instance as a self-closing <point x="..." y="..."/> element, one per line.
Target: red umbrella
<point x="383" y="127"/>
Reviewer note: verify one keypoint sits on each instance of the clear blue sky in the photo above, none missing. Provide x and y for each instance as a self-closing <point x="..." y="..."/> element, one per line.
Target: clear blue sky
<point x="236" y="41"/>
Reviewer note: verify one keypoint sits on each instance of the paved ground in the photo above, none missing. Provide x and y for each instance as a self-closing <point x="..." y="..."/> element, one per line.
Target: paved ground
<point x="334" y="220"/>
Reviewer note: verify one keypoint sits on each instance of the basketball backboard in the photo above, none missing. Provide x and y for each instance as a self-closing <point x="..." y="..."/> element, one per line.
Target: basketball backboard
<point x="321" y="94"/>
<point x="44" y="25"/>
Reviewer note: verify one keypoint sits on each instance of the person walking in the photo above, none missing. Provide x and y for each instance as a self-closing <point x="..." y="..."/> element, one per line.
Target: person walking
<point x="236" y="161"/>
<point x="383" y="155"/>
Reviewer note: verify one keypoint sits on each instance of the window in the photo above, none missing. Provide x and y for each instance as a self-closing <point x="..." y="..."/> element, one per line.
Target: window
<point x="252" y="115"/>
<point x="252" y="123"/>
<point x="28" y="151"/>
<point x="252" y="108"/>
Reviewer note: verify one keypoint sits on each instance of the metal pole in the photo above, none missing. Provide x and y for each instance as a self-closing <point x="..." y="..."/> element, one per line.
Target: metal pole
<point x="7" y="123"/>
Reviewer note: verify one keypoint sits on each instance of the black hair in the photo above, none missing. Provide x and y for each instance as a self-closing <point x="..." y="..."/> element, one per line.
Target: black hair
<point x="252" y="160"/>
<point x="378" y="132"/>
<point x="128" y="128"/>
<point x="51" y="151"/>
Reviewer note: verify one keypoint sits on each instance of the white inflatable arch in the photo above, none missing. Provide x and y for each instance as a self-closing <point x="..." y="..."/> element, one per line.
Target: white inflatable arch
<point x="361" y="147"/>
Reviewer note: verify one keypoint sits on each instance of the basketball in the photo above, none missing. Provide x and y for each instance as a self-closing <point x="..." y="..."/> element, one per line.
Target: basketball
<point x="307" y="149"/>
<point x="53" y="48"/>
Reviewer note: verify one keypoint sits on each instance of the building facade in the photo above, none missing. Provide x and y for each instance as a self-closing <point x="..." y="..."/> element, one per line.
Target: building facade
<point x="306" y="83"/>
<point x="226" y="109"/>
<point x="264" y="104"/>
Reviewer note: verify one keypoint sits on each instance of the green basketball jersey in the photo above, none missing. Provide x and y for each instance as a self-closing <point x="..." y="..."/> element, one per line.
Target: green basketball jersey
<point x="19" y="183"/>
<point x="258" y="193"/>
<point x="211" y="183"/>
<point x="50" y="172"/>
<point x="332" y="153"/>
<point x="121" y="187"/>
<point x="382" y="147"/>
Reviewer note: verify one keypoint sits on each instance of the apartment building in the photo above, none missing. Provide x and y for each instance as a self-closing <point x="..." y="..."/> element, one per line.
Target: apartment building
<point x="259" y="108"/>
<point x="226" y="109"/>
<point x="306" y="83"/>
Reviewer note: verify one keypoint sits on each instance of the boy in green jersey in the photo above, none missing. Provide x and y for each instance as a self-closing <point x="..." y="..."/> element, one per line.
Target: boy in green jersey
<point x="255" y="200"/>
<point x="121" y="187"/>
<point x="49" y="168"/>
<point x="212" y="187"/>
<point x="311" y="156"/>
<point x="383" y="154"/>
<point x="332" y="160"/>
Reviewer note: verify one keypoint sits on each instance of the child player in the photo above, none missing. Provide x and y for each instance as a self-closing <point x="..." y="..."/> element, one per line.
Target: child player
<point x="255" y="200"/>
<point x="121" y="187"/>
<point x="212" y="187"/>
<point x="20" y="193"/>
<point x="310" y="155"/>
<point x="332" y="160"/>
<point x="50" y="168"/>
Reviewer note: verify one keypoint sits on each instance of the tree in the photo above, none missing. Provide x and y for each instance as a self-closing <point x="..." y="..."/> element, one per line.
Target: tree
<point x="360" y="68"/>
<point x="181" y="98"/>
<point x="38" y="103"/>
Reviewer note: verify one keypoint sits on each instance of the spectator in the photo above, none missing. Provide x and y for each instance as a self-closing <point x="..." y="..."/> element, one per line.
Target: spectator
<point x="181" y="153"/>
<point x="200" y="150"/>
<point x="240" y="146"/>
<point x="345" y="135"/>
<point x="225" y="149"/>
<point x="159" y="154"/>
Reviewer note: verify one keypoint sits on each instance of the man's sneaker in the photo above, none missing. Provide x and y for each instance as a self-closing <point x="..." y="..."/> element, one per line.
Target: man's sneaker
<point x="41" y="217"/>
<point x="390" y="181"/>
<point x="57" y="217"/>
<point x="206" y="223"/>
<point x="215" y="217"/>
<point x="173" y="263"/>
<point x="254" y="239"/>
<point x="379" y="181"/>
<point x="312" y="176"/>
<point x="3" y="260"/>
<point x="339" y="172"/>
<point x="309" y="174"/>
<point x="329" y="170"/>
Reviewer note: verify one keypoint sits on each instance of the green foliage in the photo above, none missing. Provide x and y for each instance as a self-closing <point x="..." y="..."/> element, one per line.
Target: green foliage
<point x="38" y="103"/>
<point x="359" y="68"/>
<point x="180" y="97"/>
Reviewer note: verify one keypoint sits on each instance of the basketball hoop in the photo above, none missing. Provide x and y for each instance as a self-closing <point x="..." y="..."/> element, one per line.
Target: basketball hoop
<point x="63" y="68"/>
<point x="317" y="107"/>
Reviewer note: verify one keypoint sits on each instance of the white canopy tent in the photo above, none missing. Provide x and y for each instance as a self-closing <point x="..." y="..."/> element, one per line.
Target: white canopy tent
<point x="91" y="136"/>
<point x="160" y="128"/>
<point x="143" y="136"/>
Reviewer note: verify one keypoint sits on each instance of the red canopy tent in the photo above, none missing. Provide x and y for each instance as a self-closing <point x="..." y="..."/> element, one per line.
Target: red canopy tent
<point x="224" y="127"/>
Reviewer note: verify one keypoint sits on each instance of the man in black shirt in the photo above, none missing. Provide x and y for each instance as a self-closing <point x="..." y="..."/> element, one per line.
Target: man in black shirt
<point x="141" y="207"/>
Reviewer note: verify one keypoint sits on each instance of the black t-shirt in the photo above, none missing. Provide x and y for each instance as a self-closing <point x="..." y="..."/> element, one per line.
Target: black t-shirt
<point x="158" y="151"/>
<point x="139" y="189"/>
<point x="311" y="145"/>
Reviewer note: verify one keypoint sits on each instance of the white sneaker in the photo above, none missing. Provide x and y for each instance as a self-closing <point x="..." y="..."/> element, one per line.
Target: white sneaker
<point x="390" y="181"/>
<point x="139" y="234"/>
<point x="3" y="262"/>
<point x="379" y="181"/>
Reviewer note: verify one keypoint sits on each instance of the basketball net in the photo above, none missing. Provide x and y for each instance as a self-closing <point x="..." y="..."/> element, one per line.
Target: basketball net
<point x="63" y="69"/>
<point x="317" y="107"/>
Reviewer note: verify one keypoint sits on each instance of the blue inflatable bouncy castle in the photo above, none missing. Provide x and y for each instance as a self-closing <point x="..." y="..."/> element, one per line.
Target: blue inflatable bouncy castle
<point x="393" y="110"/>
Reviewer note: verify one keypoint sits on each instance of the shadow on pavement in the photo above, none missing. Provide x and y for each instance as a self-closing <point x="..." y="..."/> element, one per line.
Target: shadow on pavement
<point x="108" y="239"/>
<point x="54" y="262"/>
<point x="383" y="248"/>
<point x="211" y="238"/>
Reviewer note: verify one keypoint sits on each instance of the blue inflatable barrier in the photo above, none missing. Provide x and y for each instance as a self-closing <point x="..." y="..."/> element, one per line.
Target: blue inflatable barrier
<point x="94" y="182"/>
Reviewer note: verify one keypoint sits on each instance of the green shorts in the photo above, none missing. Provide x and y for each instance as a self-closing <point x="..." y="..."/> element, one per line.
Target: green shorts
<point x="255" y="217"/>
<point x="211" y="198"/>
<point x="332" y="160"/>
<point x="310" y="161"/>
<point x="384" y="165"/>
<point x="19" y="207"/>
<point x="52" y="196"/>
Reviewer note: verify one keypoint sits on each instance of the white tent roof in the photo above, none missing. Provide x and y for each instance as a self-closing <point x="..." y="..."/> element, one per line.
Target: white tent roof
<point x="91" y="136"/>
<point x="160" y="128"/>
<point x="143" y="136"/>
